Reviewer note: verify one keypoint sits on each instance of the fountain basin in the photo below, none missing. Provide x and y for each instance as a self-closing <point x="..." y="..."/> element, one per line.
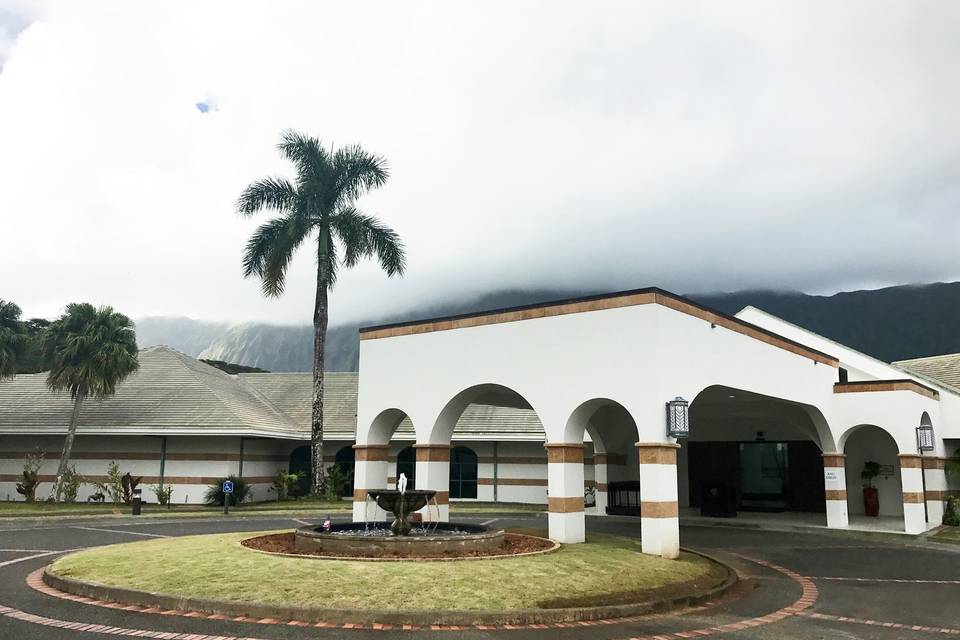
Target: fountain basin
<point x="430" y="540"/>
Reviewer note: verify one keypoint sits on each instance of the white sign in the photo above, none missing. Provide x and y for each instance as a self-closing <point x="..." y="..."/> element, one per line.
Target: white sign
<point x="831" y="475"/>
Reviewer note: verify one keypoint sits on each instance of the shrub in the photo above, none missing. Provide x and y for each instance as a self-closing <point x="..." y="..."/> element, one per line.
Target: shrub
<point x="214" y="494"/>
<point x="285" y="484"/>
<point x="951" y="516"/>
<point x="163" y="493"/>
<point x="30" y="477"/>
<point x="70" y="487"/>
<point x="336" y="481"/>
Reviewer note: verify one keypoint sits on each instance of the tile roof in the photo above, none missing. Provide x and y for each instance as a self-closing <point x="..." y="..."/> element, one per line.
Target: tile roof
<point x="173" y="393"/>
<point x="943" y="369"/>
<point x="170" y="393"/>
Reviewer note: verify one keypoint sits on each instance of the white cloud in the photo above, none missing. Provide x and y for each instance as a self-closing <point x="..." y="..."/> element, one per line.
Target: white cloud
<point x="692" y="146"/>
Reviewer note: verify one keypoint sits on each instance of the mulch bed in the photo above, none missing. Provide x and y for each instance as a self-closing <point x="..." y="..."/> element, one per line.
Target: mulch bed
<point x="514" y="544"/>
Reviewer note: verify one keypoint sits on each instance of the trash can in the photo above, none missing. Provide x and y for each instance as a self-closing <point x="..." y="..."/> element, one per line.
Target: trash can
<point x="136" y="502"/>
<point x="718" y="500"/>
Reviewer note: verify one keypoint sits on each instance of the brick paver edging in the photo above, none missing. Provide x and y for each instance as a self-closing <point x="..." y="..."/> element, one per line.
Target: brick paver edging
<point x="309" y="556"/>
<point x="136" y="600"/>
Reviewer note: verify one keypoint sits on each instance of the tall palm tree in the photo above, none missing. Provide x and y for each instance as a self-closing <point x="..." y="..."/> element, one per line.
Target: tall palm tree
<point x="319" y="201"/>
<point x="13" y="339"/>
<point x="92" y="349"/>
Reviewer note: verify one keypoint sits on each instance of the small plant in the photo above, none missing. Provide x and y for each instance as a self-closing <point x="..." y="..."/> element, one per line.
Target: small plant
<point x="951" y="516"/>
<point x="214" y="494"/>
<point x="127" y="484"/>
<point x="30" y="477"/>
<point x="163" y="493"/>
<point x="870" y="471"/>
<point x="284" y="484"/>
<point x="70" y="484"/>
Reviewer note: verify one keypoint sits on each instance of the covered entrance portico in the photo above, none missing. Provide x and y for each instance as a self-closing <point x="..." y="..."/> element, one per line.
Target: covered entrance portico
<point x="606" y="366"/>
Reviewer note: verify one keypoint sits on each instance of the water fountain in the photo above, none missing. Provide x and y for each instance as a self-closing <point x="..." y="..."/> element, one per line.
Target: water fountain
<point x="401" y="538"/>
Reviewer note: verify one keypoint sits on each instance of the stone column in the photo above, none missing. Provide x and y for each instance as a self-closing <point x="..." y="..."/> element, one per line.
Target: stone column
<point x="600" y="482"/>
<point x="659" y="510"/>
<point x="835" y="489"/>
<point x="936" y="479"/>
<point x="565" y="492"/>
<point x="433" y="472"/>
<point x="911" y="480"/>
<point x="369" y="472"/>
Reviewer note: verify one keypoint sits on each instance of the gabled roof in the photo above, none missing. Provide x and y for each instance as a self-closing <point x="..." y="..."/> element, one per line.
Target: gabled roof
<point x="944" y="369"/>
<point x="616" y="300"/>
<point x="170" y="393"/>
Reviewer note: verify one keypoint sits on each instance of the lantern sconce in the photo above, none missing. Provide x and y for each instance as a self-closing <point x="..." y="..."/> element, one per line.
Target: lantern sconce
<point x="925" y="437"/>
<point x="678" y="418"/>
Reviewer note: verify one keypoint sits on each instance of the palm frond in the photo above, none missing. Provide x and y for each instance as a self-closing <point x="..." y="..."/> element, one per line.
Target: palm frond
<point x="311" y="160"/>
<point x="277" y="194"/>
<point x="270" y="250"/>
<point x="364" y="236"/>
<point x="357" y="172"/>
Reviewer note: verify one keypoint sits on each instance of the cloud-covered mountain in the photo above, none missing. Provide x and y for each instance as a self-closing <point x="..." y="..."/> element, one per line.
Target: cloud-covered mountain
<point x="895" y="323"/>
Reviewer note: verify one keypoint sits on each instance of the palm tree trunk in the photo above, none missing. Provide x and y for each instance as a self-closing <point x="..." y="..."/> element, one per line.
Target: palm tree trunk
<point x="319" y="342"/>
<point x="67" y="447"/>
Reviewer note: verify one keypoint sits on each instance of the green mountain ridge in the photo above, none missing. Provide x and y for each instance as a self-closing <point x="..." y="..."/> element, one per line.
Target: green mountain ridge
<point x="894" y="323"/>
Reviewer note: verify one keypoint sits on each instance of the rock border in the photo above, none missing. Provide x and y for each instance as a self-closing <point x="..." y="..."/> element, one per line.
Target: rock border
<point x="307" y="556"/>
<point x="422" y="618"/>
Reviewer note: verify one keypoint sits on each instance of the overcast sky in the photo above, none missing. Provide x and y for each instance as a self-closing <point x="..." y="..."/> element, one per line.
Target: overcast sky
<point x="698" y="146"/>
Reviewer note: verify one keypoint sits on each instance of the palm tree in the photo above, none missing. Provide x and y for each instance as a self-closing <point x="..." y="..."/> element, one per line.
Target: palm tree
<point x="319" y="201"/>
<point x="91" y="351"/>
<point x="13" y="339"/>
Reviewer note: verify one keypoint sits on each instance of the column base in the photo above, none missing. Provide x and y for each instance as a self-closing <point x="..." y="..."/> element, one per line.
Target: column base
<point x="368" y="511"/>
<point x="567" y="528"/>
<point x="837" y="516"/>
<point x="660" y="537"/>
<point x="438" y="513"/>
<point x="914" y="520"/>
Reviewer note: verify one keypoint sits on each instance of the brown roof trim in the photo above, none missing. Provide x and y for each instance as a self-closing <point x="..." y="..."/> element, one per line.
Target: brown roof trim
<point x="634" y="297"/>
<point x="886" y="385"/>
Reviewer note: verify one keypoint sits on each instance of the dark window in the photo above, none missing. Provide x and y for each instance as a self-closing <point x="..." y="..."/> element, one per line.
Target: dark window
<point x="463" y="473"/>
<point x="300" y="463"/>
<point x="344" y="461"/>
<point x="843" y="375"/>
<point x="407" y="464"/>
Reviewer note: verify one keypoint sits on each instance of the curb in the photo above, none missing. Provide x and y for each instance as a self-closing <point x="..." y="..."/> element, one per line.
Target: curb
<point x="421" y="618"/>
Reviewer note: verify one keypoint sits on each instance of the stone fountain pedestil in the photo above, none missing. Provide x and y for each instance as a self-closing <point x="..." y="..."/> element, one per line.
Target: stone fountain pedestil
<point x="357" y="539"/>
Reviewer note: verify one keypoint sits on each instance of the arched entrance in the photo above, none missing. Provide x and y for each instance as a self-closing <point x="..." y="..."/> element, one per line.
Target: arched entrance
<point x="873" y="461"/>
<point x="752" y="453"/>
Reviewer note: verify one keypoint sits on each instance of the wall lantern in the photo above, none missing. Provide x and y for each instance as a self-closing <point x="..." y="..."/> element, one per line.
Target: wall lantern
<point x="925" y="437"/>
<point x="678" y="418"/>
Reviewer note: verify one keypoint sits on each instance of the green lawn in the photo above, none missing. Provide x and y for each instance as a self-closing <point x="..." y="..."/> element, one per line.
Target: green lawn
<point x="606" y="570"/>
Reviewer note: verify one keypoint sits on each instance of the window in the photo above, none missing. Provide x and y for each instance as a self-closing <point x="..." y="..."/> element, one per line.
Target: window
<point x="407" y="464"/>
<point x="463" y="473"/>
<point x="344" y="461"/>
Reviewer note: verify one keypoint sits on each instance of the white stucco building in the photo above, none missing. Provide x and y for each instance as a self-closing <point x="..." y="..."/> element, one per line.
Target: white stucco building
<point x="539" y="404"/>
<point x="769" y="398"/>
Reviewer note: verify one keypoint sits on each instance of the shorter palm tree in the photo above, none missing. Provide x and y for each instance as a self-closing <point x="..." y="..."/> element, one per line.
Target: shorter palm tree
<point x="91" y="351"/>
<point x="13" y="339"/>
